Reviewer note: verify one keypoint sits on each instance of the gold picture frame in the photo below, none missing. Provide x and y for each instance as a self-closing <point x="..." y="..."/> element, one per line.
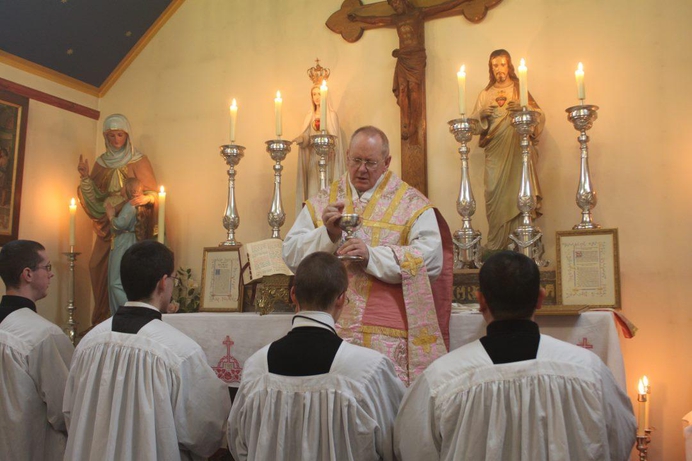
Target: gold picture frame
<point x="588" y="268"/>
<point x="222" y="281"/>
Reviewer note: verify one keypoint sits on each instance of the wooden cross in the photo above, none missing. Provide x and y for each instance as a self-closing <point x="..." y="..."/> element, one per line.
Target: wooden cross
<point x="408" y="17"/>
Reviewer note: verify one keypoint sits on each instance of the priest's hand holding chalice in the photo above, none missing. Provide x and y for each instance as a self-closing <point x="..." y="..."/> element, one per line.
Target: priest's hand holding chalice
<point x="337" y="222"/>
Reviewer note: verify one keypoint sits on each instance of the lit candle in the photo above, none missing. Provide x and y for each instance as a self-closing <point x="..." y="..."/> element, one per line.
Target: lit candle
<point x="641" y="409"/>
<point x="73" y="213"/>
<point x="647" y="390"/>
<point x="277" y="113"/>
<point x="162" y="214"/>
<point x="323" y="106"/>
<point x="234" y="116"/>
<point x="523" y="84"/>
<point x="461" y="80"/>
<point x="579" y="75"/>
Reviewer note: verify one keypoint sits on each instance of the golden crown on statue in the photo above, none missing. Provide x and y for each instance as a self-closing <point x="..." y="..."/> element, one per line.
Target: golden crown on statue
<point x="318" y="73"/>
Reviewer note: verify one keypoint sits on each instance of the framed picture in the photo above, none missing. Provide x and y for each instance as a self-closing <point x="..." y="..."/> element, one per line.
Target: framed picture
<point x="222" y="284"/>
<point x="588" y="268"/>
<point x="14" y="110"/>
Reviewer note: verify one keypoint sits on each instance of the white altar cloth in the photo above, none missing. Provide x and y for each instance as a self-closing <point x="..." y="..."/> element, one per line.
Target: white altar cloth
<point x="248" y="332"/>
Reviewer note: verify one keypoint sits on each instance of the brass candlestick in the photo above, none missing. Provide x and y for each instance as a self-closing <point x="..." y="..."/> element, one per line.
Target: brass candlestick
<point x="527" y="238"/>
<point x="582" y="117"/>
<point x="232" y="154"/>
<point x="278" y="149"/>
<point x="324" y="148"/>
<point x="467" y="241"/>
<point x="71" y="328"/>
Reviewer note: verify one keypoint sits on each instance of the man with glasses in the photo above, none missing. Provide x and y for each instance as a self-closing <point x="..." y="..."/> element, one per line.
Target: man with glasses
<point x="34" y="359"/>
<point x="138" y="388"/>
<point x="401" y="292"/>
<point x="321" y="397"/>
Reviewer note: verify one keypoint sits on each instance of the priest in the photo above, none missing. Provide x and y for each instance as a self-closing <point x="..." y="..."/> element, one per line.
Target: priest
<point x="401" y="291"/>
<point x="34" y="359"/>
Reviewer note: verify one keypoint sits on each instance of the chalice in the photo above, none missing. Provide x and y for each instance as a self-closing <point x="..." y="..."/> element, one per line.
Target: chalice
<point x="349" y="223"/>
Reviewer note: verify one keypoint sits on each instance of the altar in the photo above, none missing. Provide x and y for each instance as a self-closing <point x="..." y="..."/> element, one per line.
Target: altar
<point x="229" y="339"/>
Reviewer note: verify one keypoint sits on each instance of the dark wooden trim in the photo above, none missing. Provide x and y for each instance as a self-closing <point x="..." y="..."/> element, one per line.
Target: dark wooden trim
<point x="49" y="99"/>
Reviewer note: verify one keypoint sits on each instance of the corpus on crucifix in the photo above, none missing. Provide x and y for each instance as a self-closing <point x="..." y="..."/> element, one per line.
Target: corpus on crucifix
<point x="408" y="17"/>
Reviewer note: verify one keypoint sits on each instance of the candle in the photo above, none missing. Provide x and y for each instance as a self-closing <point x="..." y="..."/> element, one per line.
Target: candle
<point x="234" y="116"/>
<point x="323" y="106"/>
<point x="647" y="390"/>
<point x="461" y="80"/>
<point x="641" y="409"/>
<point x="523" y="85"/>
<point x="73" y="213"/>
<point x="162" y="214"/>
<point x="277" y="113"/>
<point x="579" y="75"/>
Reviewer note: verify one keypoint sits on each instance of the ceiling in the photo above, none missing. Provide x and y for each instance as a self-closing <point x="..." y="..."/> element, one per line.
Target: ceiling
<point x="86" y="40"/>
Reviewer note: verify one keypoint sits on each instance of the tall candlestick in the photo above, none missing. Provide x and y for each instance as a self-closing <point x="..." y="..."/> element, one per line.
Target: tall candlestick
<point x="323" y="106"/>
<point x="277" y="113"/>
<point x="162" y="215"/>
<point x="461" y="80"/>
<point x="73" y="213"/>
<point x="523" y="84"/>
<point x="579" y="75"/>
<point x="641" y="409"/>
<point x="234" y="116"/>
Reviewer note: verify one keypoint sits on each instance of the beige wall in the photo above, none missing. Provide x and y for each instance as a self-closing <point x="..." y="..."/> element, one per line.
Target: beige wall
<point x="177" y="93"/>
<point x="55" y="139"/>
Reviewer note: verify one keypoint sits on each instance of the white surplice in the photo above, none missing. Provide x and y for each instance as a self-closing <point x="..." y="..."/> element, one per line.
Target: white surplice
<point x="34" y="360"/>
<point x="347" y="414"/>
<point x="144" y="396"/>
<point x="563" y="405"/>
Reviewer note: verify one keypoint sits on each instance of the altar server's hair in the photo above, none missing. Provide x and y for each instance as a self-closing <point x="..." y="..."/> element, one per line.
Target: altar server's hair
<point x="320" y="278"/>
<point x="510" y="284"/>
<point x="142" y="266"/>
<point x="16" y="256"/>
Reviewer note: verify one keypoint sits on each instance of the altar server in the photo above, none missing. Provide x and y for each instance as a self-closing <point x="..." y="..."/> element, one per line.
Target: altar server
<point x="34" y="359"/>
<point x="139" y="389"/>
<point x="311" y="395"/>
<point x="515" y="394"/>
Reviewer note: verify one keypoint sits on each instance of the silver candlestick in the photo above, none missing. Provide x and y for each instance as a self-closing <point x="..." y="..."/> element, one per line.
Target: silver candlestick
<point x="278" y="149"/>
<point x="582" y="117"/>
<point x="527" y="238"/>
<point x="232" y="154"/>
<point x="467" y="241"/>
<point x="71" y="328"/>
<point x="324" y="148"/>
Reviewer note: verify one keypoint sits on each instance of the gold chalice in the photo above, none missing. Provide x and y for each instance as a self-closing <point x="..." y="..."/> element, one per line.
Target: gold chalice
<point x="349" y="223"/>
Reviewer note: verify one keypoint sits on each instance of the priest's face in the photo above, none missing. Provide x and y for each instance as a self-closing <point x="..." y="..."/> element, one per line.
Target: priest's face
<point x="40" y="277"/>
<point x="116" y="138"/>
<point x="366" y="161"/>
<point x="500" y="67"/>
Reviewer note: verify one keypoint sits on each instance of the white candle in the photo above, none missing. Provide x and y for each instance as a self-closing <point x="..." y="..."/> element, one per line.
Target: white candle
<point x="579" y="75"/>
<point x="73" y="213"/>
<point x="162" y="214"/>
<point x="277" y="113"/>
<point x="647" y="389"/>
<point x="461" y="80"/>
<point x="234" y="116"/>
<point x="523" y="84"/>
<point x="641" y="409"/>
<point x="323" y="106"/>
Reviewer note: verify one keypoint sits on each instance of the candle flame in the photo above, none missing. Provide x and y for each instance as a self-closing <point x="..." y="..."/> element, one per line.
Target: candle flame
<point x="462" y="70"/>
<point x="640" y="387"/>
<point x="278" y="95"/>
<point x="580" y="67"/>
<point x="324" y="85"/>
<point x="162" y="190"/>
<point x="522" y="63"/>
<point x="234" y="105"/>
<point x="72" y="202"/>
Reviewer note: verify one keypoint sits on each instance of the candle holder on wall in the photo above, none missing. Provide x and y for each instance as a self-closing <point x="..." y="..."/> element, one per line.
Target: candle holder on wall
<point x="527" y="238"/>
<point x="232" y="154"/>
<point x="71" y="328"/>
<point x="323" y="144"/>
<point x="278" y="149"/>
<point x="467" y="241"/>
<point x="582" y="117"/>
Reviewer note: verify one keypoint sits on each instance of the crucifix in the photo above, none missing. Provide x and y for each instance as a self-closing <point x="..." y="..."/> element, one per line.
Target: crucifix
<point x="408" y="17"/>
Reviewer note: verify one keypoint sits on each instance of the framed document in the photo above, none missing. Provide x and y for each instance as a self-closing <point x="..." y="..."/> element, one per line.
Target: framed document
<point x="222" y="284"/>
<point x="588" y="269"/>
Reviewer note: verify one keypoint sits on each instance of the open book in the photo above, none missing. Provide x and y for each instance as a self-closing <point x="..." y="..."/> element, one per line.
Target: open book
<point x="265" y="258"/>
